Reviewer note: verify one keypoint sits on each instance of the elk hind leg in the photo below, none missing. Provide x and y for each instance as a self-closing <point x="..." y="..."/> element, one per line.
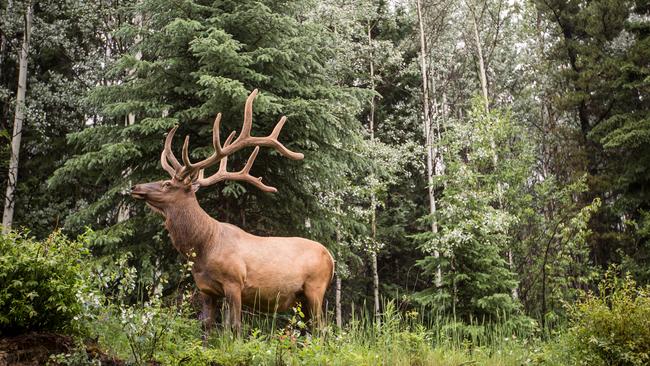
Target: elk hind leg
<point x="233" y="301"/>
<point x="314" y="295"/>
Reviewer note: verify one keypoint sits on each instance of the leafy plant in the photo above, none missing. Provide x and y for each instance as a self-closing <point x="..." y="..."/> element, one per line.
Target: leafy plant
<point x="41" y="282"/>
<point x="610" y="327"/>
<point x="139" y="330"/>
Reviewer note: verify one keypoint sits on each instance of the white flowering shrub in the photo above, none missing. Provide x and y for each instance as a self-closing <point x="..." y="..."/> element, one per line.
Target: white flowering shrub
<point x="134" y="319"/>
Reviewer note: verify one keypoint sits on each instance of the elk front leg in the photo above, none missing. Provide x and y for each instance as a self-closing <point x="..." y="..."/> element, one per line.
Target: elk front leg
<point x="233" y="300"/>
<point x="208" y="315"/>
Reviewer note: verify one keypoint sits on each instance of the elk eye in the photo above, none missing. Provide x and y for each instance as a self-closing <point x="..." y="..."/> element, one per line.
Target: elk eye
<point x="166" y="184"/>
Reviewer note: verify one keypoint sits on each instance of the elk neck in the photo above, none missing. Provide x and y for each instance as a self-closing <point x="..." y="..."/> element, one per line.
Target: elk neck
<point x="190" y="227"/>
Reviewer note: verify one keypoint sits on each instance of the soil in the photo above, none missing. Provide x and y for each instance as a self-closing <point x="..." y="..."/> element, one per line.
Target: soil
<point x="35" y="349"/>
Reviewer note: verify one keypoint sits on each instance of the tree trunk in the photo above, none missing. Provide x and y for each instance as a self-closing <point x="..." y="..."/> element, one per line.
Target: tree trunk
<point x="373" y="199"/>
<point x="375" y="286"/>
<point x="481" y="63"/>
<point x="339" y="316"/>
<point x="19" y="116"/>
<point x="486" y="104"/>
<point x="431" y="152"/>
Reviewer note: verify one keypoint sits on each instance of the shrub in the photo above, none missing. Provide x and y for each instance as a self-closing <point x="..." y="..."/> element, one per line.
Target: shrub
<point x="615" y="325"/>
<point x="40" y="282"/>
<point x="608" y="328"/>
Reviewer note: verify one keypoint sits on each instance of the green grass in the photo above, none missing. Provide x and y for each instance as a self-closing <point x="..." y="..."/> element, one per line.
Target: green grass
<point x="400" y="339"/>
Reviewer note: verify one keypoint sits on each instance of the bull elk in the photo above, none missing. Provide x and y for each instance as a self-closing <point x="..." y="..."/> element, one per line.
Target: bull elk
<point x="266" y="273"/>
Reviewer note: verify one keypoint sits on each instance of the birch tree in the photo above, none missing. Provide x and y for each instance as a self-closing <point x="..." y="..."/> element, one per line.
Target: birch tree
<point x="432" y="152"/>
<point x="476" y="13"/>
<point x="19" y="116"/>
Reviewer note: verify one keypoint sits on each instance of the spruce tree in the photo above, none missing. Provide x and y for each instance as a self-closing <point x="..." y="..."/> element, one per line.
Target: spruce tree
<point x="187" y="62"/>
<point x="606" y="47"/>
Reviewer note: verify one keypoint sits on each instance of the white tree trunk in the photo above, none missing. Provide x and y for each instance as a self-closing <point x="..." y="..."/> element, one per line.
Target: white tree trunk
<point x="339" y="315"/>
<point x="431" y="152"/>
<point x="19" y="116"/>
<point x="373" y="199"/>
<point x="481" y="63"/>
<point x="486" y="102"/>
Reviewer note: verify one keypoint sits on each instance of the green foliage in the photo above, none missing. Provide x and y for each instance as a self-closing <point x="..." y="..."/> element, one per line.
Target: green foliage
<point x="557" y="246"/>
<point x="486" y="167"/>
<point x="64" y="60"/>
<point x="131" y="319"/>
<point x="144" y="332"/>
<point x="603" y="47"/>
<point x="41" y="282"/>
<point x="77" y="356"/>
<point x="203" y="60"/>
<point x="610" y="327"/>
<point x="402" y="339"/>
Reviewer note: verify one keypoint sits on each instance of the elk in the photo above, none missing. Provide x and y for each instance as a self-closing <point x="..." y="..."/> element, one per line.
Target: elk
<point x="266" y="273"/>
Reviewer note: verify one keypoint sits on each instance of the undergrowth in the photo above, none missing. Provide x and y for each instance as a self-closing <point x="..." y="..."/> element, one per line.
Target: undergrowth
<point x="132" y="321"/>
<point x="399" y="339"/>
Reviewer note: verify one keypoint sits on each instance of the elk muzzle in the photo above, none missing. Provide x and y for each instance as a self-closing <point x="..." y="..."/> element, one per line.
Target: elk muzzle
<point x="140" y="191"/>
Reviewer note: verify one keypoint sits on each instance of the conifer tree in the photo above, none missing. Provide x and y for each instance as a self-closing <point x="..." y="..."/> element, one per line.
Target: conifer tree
<point x="475" y="230"/>
<point x="63" y="61"/>
<point x="196" y="59"/>
<point x="605" y="45"/>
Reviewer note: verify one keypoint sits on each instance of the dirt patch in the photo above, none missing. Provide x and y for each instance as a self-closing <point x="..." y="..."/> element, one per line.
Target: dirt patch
<point x="35" y="349"/>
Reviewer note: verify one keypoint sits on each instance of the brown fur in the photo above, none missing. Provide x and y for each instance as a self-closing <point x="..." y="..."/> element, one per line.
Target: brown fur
<point x="267" y="273"/>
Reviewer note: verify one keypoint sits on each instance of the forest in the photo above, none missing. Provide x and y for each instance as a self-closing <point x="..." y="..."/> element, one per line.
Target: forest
<point x="479" y="171"/>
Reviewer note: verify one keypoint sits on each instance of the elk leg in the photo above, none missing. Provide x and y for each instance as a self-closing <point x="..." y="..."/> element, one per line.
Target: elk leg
<point x="207" y="315"/>
<point x="233" y="298"/>
<point x="226" y="315"/>
<point x="314" y="295"/>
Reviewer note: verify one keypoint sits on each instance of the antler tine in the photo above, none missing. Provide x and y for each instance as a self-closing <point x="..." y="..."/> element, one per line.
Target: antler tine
<point x="216" y="138"/>
<point x="245" y="139"/>
<point x="268" y="141"/>
<point x="249" y="162"/>
<point x="166" y="156"/>
<point x="273" y="138"/>
<point x="248" y="116"/>
<point x="224" y="161"/>
<point x="185" y="156"/>
<point x="242" y="175"/>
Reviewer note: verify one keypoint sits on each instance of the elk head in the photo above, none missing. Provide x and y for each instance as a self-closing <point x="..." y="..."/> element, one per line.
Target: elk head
<point x="188" y="177"/>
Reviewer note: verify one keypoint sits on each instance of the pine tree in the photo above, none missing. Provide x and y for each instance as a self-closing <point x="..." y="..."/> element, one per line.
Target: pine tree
<point x="625" y="137"/>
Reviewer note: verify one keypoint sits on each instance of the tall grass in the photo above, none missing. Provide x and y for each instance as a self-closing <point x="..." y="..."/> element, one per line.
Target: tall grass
<point x="396" y="338"/>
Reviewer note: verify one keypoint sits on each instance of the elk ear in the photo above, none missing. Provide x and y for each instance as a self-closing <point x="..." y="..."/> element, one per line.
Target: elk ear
<point x="195" y="186"/>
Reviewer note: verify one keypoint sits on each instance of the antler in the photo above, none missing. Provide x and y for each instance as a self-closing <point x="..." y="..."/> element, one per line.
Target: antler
<point x="195" y="171"/>
<point x="167" y="155"/>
